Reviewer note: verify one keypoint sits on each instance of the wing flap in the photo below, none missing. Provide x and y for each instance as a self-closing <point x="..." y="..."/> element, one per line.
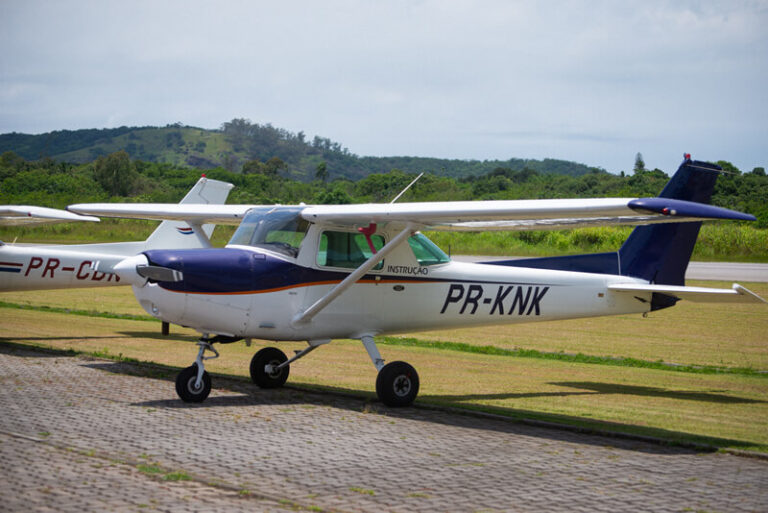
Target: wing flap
<point x="549" y="224"/>
<point x="736" y="294"/>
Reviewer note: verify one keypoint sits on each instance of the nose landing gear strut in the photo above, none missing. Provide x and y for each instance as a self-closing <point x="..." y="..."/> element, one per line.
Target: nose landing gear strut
<point x="193" y="384"/>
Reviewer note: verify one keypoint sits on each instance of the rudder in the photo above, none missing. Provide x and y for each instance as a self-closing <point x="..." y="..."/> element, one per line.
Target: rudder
<point x="660" y="253"/>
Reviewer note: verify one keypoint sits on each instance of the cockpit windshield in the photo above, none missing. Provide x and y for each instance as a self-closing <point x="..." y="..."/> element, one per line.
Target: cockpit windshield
<point x="278" y="229"/>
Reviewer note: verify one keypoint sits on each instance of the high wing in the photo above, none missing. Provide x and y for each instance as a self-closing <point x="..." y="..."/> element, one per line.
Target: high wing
<point x="23" y="215"/>
<point x="458" y="215"/>
<point x="522" y="214"/>
<point x="195" y="214"/>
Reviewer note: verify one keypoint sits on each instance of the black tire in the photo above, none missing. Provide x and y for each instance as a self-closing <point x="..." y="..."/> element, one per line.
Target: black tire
<point x="267" y="356"/>
<point x="397" y="384"/>
<point x="185" y="385"/>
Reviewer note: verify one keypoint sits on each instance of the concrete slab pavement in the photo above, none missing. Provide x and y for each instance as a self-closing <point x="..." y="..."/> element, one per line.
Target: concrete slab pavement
<point x="75" y="432"/>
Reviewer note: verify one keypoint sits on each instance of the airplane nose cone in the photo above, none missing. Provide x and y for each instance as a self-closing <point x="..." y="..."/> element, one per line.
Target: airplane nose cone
<point x="126" y="270"/>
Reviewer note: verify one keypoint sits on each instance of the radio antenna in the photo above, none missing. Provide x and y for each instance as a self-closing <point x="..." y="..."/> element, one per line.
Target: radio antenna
<point x="406" y="188"/>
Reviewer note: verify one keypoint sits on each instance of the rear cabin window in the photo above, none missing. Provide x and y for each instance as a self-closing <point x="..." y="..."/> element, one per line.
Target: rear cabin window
<point x="346" y="249"/>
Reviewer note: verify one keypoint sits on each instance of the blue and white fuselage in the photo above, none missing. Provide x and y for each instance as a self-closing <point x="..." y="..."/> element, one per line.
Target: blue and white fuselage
<point x="255" y="293"/>
<point x="316" y="273"/>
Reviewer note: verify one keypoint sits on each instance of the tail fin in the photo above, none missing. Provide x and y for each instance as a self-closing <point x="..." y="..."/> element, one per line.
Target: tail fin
<point x="179" y="235"/>
<point x="660" y="253"/>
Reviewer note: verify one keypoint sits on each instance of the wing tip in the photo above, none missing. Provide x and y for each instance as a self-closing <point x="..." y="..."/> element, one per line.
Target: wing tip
<point x="744" y="291"/>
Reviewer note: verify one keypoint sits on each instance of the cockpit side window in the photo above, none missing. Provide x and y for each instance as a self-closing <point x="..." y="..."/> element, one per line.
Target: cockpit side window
<point x="347" y="249"/>
<point x="426" y="251"/>
<point x="274" y="228"/>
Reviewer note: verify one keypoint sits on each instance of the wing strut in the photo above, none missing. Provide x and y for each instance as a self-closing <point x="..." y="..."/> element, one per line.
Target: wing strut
<point x="350" y="280"/>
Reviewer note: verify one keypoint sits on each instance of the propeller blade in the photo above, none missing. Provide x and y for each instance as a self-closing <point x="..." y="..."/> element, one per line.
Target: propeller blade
<point x="158" y="273"/>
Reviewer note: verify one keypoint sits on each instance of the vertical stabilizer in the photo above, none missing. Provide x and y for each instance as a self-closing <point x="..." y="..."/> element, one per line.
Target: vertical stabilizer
<point x="178" y="234"/>
<point x="660" y="253"/>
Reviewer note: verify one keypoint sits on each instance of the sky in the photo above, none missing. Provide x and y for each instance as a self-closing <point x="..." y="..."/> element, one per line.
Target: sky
<point x="588" y="81"/>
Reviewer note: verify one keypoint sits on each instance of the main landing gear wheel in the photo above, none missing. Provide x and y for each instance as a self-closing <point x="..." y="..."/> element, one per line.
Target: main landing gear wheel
<point x="269" y="377"/>
<point x="185" y="385"/>
<point x="397" y="384"/>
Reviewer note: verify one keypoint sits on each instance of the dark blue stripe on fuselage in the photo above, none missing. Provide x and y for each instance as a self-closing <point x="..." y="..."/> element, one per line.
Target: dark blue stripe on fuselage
<point x="226" y="270"/>
<point x="233" y="271"/>
<point x="9" y="270"/>
<point x="597" y="263"/>
<point x="238" y="271"/>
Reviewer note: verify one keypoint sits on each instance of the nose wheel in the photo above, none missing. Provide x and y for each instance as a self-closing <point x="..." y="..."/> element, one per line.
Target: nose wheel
<point x="187" y="387"/>
<point x="193" y="384"/>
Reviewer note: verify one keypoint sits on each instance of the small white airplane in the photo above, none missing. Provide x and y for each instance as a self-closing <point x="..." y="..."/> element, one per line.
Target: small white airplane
<point x="54" y="266"/>
<point x="317" y="273"/>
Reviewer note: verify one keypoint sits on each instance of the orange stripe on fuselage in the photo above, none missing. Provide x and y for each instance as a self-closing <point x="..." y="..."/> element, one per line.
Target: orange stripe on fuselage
<point x="298" y="285"/>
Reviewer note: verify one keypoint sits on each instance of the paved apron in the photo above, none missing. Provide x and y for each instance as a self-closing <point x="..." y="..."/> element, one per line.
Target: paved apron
<point x="83" y="434"/>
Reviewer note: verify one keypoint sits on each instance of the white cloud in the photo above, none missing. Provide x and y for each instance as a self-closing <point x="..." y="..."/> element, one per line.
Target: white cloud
<point x="588" y="81"/>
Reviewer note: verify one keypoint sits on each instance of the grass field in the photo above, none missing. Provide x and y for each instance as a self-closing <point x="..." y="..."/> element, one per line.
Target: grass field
<point x="722" y="400"/>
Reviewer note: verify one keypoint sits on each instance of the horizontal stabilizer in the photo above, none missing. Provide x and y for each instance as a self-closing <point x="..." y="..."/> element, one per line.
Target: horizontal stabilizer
<point x="736" y="294"/>
<point x="676" y="207"/>
<point x="23" y="215"/>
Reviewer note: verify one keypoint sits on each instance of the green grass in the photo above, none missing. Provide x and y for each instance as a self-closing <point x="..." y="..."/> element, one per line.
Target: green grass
<point x="362" y="491"/>
<point x="150" y="469"/>
<point x="165" y="475"/>
<point x="567" y="357"/>
<point x="88" y="313"/>
<point x="176" y="476"/>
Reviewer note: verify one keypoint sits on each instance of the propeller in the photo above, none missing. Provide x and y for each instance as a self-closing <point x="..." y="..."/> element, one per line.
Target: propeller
<point x="136" y="270"/>
<point x="158" y="273"/>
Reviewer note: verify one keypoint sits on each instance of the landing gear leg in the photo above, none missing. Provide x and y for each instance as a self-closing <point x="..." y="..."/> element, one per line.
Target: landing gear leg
<point x="193" y="384"/>
<point x="397" y="383"/>
<point x="270" y="367"/>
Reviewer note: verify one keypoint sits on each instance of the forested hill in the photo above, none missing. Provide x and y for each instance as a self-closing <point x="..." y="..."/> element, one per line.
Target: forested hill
<point x="240" y="144"/>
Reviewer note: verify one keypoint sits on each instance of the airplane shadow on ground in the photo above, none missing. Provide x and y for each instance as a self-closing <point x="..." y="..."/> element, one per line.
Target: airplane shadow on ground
<point x="597" y="388"/>
<point x="440" y="409"/>
<point x="159" y="336"/>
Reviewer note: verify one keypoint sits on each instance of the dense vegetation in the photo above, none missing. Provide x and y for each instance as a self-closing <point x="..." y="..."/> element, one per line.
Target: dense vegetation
<point x="239" y="143"/>
<point x="116" y="177"/>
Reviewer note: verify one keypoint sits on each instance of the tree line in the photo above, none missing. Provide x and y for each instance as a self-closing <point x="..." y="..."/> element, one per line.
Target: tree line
<point x="117" y="177"/>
